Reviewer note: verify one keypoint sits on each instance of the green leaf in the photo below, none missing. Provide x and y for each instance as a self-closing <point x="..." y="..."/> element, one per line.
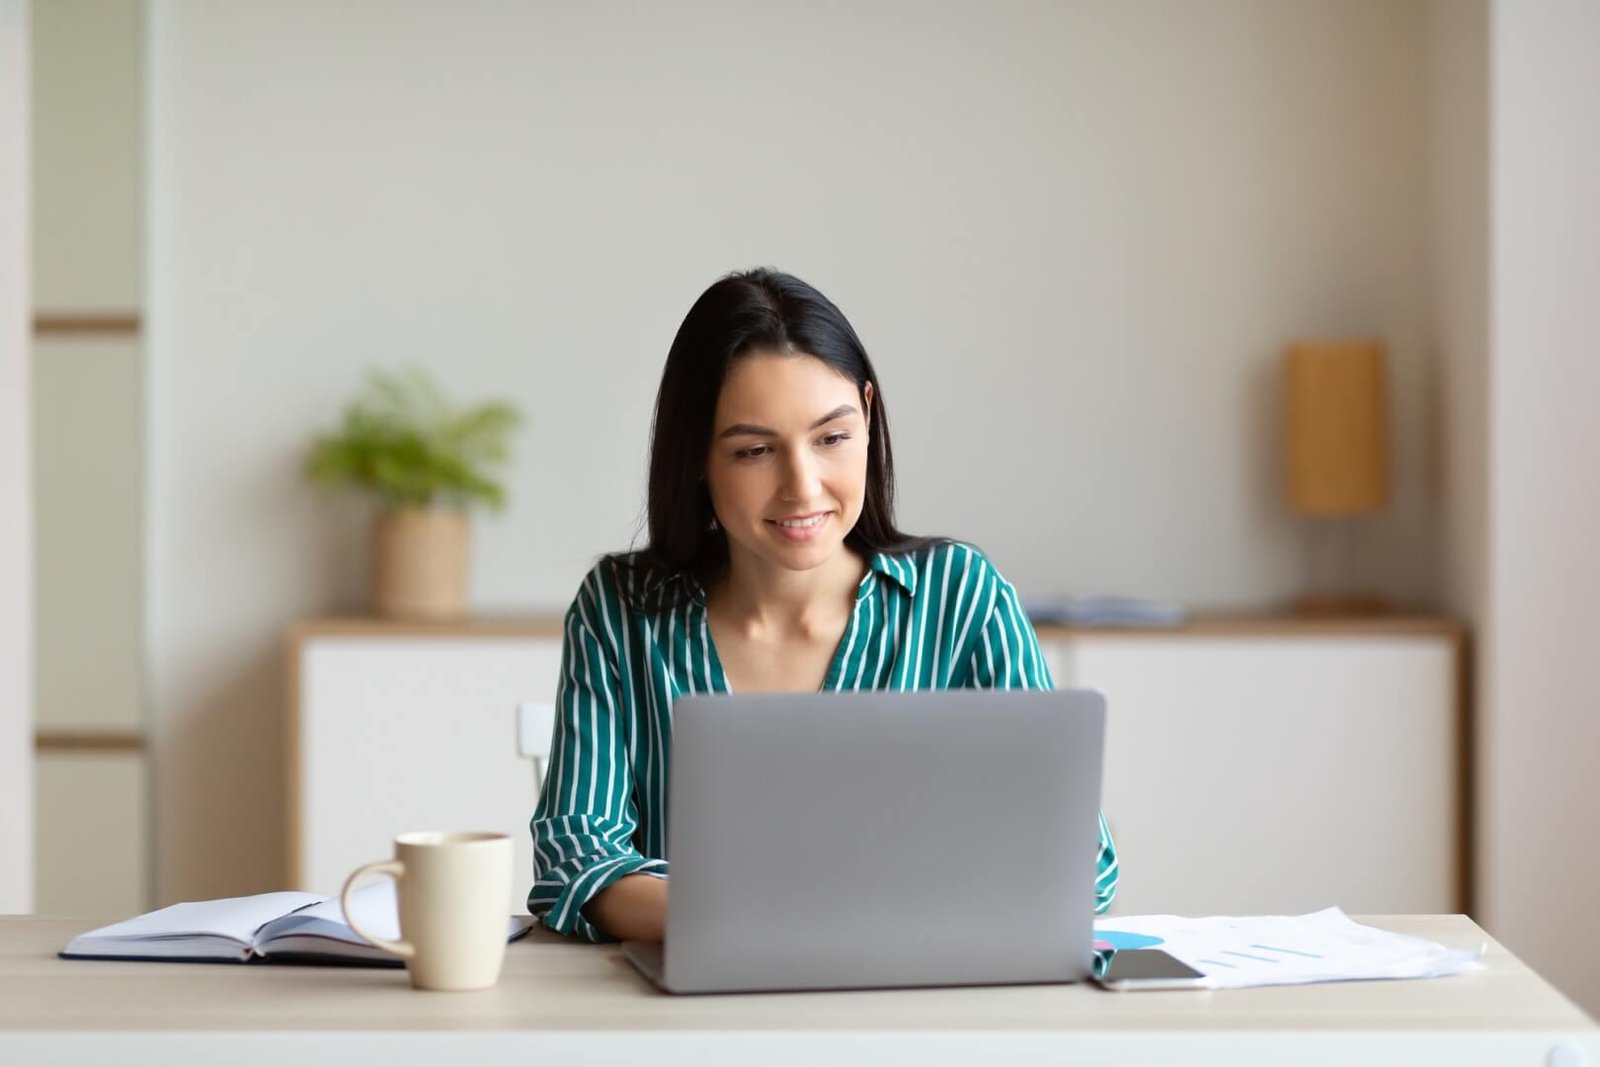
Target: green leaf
<point x="404" y="441"/>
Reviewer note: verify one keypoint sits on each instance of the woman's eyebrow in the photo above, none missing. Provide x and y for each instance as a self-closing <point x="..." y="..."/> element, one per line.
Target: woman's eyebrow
<point x="748" y="429"/>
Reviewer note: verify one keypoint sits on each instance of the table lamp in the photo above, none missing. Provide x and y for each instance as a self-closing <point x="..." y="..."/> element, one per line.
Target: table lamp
<point x="1337" y="459"/>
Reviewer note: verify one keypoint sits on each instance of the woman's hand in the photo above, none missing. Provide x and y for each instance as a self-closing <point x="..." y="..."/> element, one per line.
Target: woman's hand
<point x="633" y="908"/>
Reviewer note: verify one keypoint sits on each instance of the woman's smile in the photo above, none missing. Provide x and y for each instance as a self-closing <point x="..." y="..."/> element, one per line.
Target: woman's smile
<point x="801" y="528"/>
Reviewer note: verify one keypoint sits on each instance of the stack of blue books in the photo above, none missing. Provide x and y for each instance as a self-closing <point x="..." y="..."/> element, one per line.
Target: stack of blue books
<point x="1105" y="611"/>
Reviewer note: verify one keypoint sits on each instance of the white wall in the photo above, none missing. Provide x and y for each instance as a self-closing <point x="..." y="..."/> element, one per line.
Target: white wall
<point x="1541" y="718"/>
<point x="1458" y="270"/>
<point x="1075" y="240"/>
<point x="16" y="490"/>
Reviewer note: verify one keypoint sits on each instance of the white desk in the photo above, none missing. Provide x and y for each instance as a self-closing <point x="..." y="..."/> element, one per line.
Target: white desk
<point x="564" y="1003"/>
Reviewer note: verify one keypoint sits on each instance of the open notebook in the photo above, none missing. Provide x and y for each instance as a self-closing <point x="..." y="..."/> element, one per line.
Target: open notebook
<point x="270" y="927"/>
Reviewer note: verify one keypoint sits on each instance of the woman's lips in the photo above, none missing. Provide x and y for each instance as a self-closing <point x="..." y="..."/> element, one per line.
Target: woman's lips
<point x="801" y="529"/>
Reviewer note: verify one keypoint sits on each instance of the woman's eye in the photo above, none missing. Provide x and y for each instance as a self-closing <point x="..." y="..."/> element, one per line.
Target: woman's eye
<point x="753" y="452"/>
<point x="835" y="439"/>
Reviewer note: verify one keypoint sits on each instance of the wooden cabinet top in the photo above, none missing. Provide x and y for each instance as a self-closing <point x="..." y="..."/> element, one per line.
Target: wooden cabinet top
<point x="1199" y="626"/>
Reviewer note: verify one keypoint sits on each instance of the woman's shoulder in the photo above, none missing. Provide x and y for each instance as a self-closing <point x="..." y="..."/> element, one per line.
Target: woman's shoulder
<point x="622" y="584"/>
<point x="942" y="565"/>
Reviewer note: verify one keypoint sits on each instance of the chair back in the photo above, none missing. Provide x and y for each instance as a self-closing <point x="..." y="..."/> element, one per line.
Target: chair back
<point x="536" y="723"/>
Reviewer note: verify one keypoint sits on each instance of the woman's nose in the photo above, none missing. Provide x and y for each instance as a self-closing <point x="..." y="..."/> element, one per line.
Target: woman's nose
<point x="801" y="482"/>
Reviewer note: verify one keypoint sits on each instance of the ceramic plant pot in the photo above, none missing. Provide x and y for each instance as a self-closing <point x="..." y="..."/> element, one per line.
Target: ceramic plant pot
<point x="419" y="563"/>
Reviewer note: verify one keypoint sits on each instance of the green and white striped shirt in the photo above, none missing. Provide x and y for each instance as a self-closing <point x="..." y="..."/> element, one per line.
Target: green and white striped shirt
<point x="939" y="617"/>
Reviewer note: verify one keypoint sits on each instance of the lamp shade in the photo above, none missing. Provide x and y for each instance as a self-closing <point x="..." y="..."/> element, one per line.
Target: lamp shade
<point x="1336" y="406"/>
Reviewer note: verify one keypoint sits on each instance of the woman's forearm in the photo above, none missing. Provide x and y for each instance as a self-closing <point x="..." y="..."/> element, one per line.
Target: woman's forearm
<point x="633" y="908"/>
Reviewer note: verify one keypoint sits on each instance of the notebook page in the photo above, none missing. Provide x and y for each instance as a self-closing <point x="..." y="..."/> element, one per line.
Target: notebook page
<point x="233" y="917"/>
<point x="375" y="906"/>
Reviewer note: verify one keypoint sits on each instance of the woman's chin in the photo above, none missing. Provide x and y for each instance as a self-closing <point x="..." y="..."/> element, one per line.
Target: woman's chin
<point x="797" y="556"/>
<point x="804" y="557"/>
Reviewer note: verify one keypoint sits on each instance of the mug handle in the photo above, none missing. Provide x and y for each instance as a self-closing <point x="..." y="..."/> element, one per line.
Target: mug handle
<point x="394" y="869"/>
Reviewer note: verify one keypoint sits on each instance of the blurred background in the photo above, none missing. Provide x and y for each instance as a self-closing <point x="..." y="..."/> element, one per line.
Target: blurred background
<point x="1076" y="239"/>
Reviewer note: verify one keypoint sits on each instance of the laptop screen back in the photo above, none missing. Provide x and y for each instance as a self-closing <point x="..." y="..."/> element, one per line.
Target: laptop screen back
<point x="855" y="840"/>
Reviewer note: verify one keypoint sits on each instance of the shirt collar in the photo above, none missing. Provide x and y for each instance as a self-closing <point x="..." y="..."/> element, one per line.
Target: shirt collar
<point x="898" y="569"/>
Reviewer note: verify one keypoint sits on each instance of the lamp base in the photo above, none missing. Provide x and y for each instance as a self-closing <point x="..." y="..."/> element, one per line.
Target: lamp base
<point x="1341" y="607"/>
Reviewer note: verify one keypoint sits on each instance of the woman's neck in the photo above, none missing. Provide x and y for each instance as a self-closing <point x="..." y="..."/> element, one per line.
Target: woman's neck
<point x="763" y="599"/>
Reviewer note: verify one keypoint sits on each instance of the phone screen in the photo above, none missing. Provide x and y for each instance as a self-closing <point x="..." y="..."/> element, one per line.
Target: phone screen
<point x="1146" y="965"/>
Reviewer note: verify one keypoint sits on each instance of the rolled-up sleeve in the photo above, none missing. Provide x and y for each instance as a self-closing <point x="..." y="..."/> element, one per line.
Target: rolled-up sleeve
<point x="585" y="823"/>
<point x="1006" y="655"/>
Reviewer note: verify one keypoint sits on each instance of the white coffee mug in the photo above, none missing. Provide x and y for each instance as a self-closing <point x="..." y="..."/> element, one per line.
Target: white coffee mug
<point x="454" y="918"/>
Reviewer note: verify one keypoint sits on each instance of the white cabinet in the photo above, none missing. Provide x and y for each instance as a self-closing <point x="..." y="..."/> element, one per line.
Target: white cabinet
<point x="1259" y="773"/>
<point x="398" y="729"/>
<point x="1250" y="768"/>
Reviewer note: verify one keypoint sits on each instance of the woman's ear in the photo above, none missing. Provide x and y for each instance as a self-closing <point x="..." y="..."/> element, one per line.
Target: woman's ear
<point x="866" y="398"/>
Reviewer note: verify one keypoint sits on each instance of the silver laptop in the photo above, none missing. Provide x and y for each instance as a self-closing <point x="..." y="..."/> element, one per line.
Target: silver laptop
<point x="878" y="839"/>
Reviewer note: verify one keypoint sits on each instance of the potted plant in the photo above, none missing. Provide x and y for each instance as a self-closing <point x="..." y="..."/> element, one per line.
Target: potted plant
<point x="428" y="463"/>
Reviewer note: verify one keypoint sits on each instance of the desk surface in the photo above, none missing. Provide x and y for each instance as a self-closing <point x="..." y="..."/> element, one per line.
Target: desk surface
<point x="552" y="988"/>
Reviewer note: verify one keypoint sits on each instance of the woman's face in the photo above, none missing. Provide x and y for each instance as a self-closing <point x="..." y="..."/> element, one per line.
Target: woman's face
<point x="787" y="470"/>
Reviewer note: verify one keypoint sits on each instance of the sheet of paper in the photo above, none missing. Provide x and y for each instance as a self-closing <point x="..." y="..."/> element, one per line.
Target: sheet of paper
<point x="1325" y="946"/>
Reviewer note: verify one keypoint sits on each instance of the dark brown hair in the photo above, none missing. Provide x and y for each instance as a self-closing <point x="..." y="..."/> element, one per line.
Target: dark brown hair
<point x="747" y="312"/>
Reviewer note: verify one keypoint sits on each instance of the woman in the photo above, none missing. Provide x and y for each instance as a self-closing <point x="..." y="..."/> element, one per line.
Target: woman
<point x="773" y="564"/>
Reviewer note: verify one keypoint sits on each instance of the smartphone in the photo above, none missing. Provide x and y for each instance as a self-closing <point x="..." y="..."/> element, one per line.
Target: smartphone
<point x="1147" y="968"/>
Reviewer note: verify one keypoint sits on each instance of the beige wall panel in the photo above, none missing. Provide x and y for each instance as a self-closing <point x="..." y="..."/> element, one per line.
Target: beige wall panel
<point x="88" y="191"/>
<point x="87" y="447"/>
<point x="91" y="849"/>
<point x="1539" y="731"/>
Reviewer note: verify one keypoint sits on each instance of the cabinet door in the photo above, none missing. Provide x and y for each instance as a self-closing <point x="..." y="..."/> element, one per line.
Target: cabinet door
<point x="92" y="848"/>
<point x="402" y="734"/>
<point x="1277" y="774"/>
